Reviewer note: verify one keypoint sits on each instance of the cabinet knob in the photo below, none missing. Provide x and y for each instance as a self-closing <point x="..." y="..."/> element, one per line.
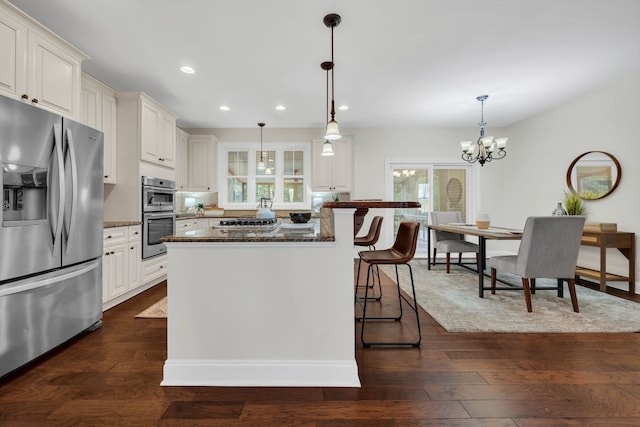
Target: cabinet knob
<point x="106" y="253"/>
<point x="106" y="176"/>
<point x="132" y="248"/>
<point x="34" y="100"/>
<point x="162" y="266"/>
<point x="112" y="252"/>
<point x="109" y="236"/>
<point x="24" y="96"/>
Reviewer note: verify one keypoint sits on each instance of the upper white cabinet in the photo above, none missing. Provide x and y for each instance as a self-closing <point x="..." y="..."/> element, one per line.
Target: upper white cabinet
<point x="158" y="138"/>
<point x="150" y="124"/>
<point x="201" y="164"/>
<point x="182" y="160"/>
<point x="37" y="66"/>
<point x="99" y="110"/>
<point x="333" y="173"/>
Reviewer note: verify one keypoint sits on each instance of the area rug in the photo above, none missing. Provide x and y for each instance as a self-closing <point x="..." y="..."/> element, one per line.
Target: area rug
<point x="452" y="300"/>
<point x="156" y="311"/>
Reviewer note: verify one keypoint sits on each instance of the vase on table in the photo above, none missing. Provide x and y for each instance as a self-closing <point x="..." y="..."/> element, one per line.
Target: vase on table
<point x="483" y="220"/>
<point x="559" y="210"/>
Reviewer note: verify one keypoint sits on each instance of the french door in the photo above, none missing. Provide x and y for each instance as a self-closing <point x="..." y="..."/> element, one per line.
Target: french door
<point x="437" y="186"/>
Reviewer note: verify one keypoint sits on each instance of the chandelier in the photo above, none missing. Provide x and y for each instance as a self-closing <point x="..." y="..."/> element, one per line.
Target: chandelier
<point x="484" y="150"/>
<point x="327" y="147"/>
<point x="332" y="20"/>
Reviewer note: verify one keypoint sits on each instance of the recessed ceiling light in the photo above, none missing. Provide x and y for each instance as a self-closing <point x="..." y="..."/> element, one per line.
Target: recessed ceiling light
<point x="187" y="70"/>
<point x="280" y="107"/>
<point x="224" y="108"/>
<point x="343" y="107"/>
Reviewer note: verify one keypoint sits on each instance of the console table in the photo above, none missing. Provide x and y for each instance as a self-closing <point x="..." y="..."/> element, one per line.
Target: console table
<point x="623" y="241"/>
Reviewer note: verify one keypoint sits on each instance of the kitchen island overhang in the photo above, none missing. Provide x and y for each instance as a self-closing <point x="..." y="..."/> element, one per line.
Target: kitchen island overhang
<point x="260" y="311"/>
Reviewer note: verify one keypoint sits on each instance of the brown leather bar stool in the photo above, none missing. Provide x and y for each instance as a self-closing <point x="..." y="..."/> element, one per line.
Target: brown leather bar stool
<point x="370" y="241"/>
<point x="402" y="251"/>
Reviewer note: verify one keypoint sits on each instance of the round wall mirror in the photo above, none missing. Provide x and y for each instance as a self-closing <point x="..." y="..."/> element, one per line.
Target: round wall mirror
<point x="593" y="175"/>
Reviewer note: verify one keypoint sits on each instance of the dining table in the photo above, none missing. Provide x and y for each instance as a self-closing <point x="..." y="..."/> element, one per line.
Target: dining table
<point x="491" y="233"/>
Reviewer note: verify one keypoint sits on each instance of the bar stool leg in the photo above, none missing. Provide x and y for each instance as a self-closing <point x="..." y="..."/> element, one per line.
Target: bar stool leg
<point x="413" y="305"/>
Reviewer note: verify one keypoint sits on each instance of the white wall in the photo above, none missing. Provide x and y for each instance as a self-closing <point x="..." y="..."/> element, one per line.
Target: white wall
<point x="531" y="178"/>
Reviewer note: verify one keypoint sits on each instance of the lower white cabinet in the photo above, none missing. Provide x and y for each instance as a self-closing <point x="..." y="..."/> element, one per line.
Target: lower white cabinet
<point x="115" y="262"/>
<point x="124" y="274"/>
<point x="154" y="268"/>
<point x="183" y="225"/>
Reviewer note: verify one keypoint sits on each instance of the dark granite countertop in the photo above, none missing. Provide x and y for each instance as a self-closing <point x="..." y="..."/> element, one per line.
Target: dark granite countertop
<point x="285" y="232"/>
<point x="113" y="224"/>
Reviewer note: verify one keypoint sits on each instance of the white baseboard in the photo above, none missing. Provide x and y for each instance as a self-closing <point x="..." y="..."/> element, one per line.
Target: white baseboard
<point x="261" y="373"/>
<point x="132" y="293"/>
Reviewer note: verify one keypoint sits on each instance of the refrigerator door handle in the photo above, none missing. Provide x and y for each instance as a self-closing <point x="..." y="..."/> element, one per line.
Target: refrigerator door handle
<point x="28" y="285"/>
<point x="57" y="132"/>
<point x="74" y="187"/>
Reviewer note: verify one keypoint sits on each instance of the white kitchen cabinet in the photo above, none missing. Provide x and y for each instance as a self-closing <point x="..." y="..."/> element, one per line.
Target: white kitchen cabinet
<point x="333" y="173"/>
<point x="158" y="133"/>
<point x="182" y="160"/>
<point x="114" y="263"/>
<point x="154" y="268"/>
<point x="121" y="257"/>
<point x="183" y="225"/>
<point x="99" y="110"/>
<point x="134" y="260"/>
<point x="37" y="66"/>
<point x="201" y="164"/>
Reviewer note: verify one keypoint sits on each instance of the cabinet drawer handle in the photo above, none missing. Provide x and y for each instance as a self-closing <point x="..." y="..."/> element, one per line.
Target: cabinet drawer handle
<point x="109" y="236"/>
<point x="34" y="100"/>
<point x="112" y="252"/>
<point x="24" y="96"/>
<point x="106" y="176"/>
<point x="132" y="248"/>
<point x="106" y="253"/>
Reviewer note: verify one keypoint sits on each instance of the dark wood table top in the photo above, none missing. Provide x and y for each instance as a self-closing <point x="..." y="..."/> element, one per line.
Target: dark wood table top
<point x="371" y="204"/>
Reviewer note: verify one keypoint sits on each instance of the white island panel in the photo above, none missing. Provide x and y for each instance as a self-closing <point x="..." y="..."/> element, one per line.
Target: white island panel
<point x="262" y="313"/>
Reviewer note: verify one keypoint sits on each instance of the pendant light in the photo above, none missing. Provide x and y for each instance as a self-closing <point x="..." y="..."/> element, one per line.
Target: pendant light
<point x="332" y="20"/>
<point x="261" y="165"/>
<point x="327" y="147"/>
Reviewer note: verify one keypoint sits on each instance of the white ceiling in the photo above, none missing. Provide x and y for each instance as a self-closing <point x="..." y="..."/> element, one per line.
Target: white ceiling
<point x="400" y="63"/>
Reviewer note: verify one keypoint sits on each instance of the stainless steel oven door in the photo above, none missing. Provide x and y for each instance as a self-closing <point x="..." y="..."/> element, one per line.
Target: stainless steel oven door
<point x="154" y="227"/>
<point x="155" y="199"/>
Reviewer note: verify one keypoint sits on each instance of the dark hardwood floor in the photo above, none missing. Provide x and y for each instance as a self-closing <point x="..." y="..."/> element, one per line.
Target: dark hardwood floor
<point x="111" y="377"/>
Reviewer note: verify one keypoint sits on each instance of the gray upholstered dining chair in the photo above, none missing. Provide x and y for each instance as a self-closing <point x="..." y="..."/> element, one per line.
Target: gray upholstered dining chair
<point x="451" y="242"/>
<point x="549" y="249"/>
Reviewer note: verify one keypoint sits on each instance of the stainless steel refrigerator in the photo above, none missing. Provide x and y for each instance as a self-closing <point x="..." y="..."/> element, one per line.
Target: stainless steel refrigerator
<point x="50" y="231"/>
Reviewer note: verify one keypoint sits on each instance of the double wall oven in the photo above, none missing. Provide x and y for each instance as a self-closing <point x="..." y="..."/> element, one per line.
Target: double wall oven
<point x="158" y="214"/>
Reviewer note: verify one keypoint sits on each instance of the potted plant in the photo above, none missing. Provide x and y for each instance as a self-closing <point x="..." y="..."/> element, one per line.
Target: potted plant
<point x="574" y="204"/>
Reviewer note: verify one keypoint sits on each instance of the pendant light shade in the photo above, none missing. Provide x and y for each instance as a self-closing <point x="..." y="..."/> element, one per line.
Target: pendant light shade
<point x="327" y="149"/>
<point x="332" y="133"/>
<point x="261" y="165"/>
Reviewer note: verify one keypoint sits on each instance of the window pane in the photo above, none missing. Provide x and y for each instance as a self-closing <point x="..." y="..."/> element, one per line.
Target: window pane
<point x="237" y="190"/>
<point x="238" y="161"/>
<point x="269" y="163"/>
<point x="412" y="185"/>
<point x="449" y="191"/>
<point x="293" y="190"/>
<point x="265" y="188"/>
<point x="293" y="162"/>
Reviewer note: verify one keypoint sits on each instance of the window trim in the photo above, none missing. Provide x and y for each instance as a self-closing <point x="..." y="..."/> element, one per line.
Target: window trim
<point x="253" y="148"/>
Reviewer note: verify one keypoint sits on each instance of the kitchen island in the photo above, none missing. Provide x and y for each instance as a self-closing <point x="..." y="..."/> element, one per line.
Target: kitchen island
<point x="262" y="308"/>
